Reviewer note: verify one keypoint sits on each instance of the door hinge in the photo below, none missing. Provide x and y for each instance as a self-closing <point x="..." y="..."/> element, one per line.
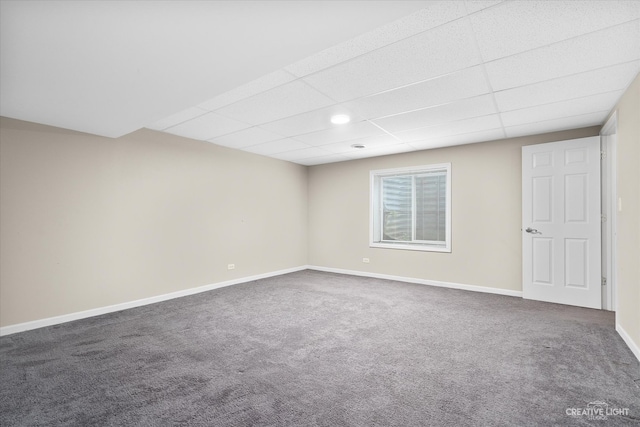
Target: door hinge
<point x="604" y="281"/>
<point x="603" y="218"/>
<point x="603" y="155"/>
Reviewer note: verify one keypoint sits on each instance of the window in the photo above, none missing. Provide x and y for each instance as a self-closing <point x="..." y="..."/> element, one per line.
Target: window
<point x="411" y="208"/>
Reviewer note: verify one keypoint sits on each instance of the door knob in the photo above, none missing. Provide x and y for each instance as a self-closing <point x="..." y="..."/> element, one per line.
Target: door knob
<point x="532" y="230"/>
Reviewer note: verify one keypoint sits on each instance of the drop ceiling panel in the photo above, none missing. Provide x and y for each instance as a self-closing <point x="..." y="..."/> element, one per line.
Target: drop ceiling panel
<point x="465" y="138"/>
<point x="475" y="124"/>
<point x="575" y="122"/>
<point x="514" y="27"/>
<point x="206" y="127"/>
<point x="439" y="51"/>
<point x="600" y="49"/>
<point x="312" y="121"/>
<point x="275" y="147"/>
<point x="472" y="107"/>
<point x="341" y="133"/>
<point x="573" y="107"/>
<point x="246" y="138"/>
<point x="182" y="116"/>
<point x="478" y="5"/>
<point x="450" y="87"/>
<point x="416" y="77"/>
<point x="254" y="87"/>
<point x="379" y="151"/>
<point x="283" y="101"/>
<point x="574" y="86"/>
<point x="435" y="13"/>
<point x="370" y="142"/>
<point x="113" y="67"/>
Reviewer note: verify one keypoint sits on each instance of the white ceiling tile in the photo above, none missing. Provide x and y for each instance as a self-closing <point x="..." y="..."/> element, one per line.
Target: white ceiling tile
<point x="465" y="138"/>
<point x="283" y="101"/>
<point x="246" y="138"/>
<point x="475" y="124"/>
<point x="275" y="147"/>
<point x="575" y="122"/>
<point x="370" y="142"/>
<point x="557" y="110"/>
<point x="574" y="86"/>
<point x="112" y="67"/>
<point x="514" y="27"/>
<point x="321" y="160"/>
<point x="379" y="151"/>
<point x="299" y="154"/>
<point x="478" y="5"/>
<point x="466" y="108"/>
<point x="254" y="87"/>
<point x="600" y="49"/>
<point x="206" y="127"/>
<point x="182" y="116"/>
<point x="439" y="51"/>
<point x="341" y="133"/>
<point x="435" y="13"/>
<point x="312" y="121"/>
<point x="450" y="87"/>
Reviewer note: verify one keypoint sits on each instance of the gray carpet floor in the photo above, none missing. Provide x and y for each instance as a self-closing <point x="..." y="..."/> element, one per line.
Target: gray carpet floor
<point x="321" y="349"/>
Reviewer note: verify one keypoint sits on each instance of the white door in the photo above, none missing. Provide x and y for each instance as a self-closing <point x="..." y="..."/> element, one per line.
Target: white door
<point x="561" y="222"/>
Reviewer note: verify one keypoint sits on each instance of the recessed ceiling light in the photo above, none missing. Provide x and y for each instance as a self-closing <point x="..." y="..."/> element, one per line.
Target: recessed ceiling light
<point x="340" y="119"/>
<point x="358" y="146"/>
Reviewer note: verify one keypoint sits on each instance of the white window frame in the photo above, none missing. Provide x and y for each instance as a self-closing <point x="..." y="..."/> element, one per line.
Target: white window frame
<point x="375" y="209"/>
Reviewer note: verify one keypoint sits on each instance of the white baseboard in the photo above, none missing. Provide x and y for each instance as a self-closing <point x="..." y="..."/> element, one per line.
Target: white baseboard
<point x="41" y="323"/>
<point x="635" y="349"/>
<point x="473" y="288"/>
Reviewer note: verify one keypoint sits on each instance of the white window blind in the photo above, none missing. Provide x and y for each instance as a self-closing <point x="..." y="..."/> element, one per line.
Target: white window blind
<point x="431" y="208"/>
<point x="410" y="208"/>
<point x="397" y="208"/>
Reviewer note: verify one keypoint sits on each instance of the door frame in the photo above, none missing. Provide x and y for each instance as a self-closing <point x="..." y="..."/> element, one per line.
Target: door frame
<point x="609" y="198"/>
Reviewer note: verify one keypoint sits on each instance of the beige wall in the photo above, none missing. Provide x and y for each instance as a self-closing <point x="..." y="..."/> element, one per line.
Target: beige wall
<point x="628" y="187"/>
<point x="86" y="221"/>
<point x="486" y="214"/>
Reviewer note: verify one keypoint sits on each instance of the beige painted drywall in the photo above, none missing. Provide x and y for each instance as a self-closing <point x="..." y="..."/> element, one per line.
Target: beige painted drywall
<point x="628" y="220"/>
<point x="486" y="214"/>
<point x="86" y="221"/>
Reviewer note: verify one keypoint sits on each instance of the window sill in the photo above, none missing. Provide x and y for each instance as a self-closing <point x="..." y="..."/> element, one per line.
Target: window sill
<point x="423" y="248"/>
